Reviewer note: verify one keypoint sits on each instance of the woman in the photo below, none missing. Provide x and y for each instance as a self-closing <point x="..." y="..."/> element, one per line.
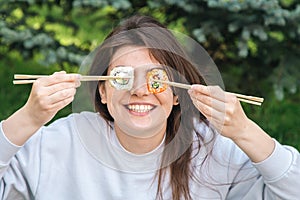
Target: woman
<point x="148" y="141"/>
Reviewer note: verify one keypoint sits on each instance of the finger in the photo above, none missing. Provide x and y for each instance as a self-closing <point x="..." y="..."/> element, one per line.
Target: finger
<point x="52" y="109"/>
<point x="63" y="103"/>
<point x="42" y="93"/>
<point x="61" y="95"/>
<point x="214" y="91"/>
<point x="45" y="101"/>
<point x="208" y="100"/>
<point x="210" y="113"/>
<point x="216" y="119"/>
<point x="60" y="72"/>
<point x="58" y="77"/>
<point x="63" y="77"/>
<point x="59" y="87"/>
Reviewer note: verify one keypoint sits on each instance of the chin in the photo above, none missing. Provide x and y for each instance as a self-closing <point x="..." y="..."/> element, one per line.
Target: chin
<point x="141" y="131"/>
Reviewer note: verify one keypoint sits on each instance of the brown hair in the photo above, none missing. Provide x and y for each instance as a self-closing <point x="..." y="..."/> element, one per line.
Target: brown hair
<point x="164" y="47"/>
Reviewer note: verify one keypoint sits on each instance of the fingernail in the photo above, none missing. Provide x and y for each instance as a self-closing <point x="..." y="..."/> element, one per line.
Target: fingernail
<point x="77" y="83"/>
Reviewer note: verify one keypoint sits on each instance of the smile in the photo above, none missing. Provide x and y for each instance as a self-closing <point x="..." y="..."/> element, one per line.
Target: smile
<point x="140" y="108"/>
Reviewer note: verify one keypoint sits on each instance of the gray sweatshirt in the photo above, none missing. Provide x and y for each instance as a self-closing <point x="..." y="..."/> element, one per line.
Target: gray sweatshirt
<point x="79" y="157"/>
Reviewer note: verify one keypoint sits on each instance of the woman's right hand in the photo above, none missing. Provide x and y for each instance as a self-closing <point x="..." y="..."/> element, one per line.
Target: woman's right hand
<point x="48" y="95"/>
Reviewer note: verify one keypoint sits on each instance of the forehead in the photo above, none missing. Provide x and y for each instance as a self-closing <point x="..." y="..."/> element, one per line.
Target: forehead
<point x="132" y="56"/>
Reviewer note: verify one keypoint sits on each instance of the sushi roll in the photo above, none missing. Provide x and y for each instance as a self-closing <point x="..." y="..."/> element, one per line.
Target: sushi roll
<point x="122" y="83"/>
<point x="154" y="86"/>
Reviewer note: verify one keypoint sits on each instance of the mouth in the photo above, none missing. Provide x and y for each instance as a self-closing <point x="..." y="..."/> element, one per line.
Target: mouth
<point x="140" y="108"/>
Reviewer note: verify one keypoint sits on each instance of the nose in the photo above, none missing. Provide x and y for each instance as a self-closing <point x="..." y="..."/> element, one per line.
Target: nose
<point x="139" y="87"/>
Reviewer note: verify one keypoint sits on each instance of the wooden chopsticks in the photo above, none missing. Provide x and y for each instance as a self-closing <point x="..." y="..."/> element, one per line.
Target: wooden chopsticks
<point x="27" y="79"/>
<point x="244" y="98"/>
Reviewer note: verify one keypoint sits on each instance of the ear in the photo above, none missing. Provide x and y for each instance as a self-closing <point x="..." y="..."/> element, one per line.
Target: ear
<point x="175" y="100"/>
<point x="102" y="93"/>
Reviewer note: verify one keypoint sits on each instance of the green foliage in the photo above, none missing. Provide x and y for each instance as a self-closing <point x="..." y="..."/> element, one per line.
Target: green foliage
<point x="279" y="118"/>
<point x="12" y="97"/>
<point x="255" y="44"/>
<point x="47" y="32"/>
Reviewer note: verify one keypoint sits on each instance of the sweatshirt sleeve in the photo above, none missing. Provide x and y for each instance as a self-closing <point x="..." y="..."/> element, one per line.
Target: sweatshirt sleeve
<point x="7" y="150"/>
<point x="279" y="177"/>
<point x="281" y="172"/>
<point x="14" y="164"/>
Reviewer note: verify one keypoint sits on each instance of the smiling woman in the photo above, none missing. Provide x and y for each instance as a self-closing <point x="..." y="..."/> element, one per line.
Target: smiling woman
<point x="146" y="140"/>
<point x="121" y="104"/>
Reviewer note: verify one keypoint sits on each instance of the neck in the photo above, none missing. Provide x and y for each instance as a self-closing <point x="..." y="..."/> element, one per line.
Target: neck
<point x="139" y="145"/>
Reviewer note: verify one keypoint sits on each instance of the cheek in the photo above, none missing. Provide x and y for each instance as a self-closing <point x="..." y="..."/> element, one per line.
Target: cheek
<point x="111" y="93"/>
<point x="166" y="100"/>
<point x="113" y="102"/>
<point x="115" y="96"/>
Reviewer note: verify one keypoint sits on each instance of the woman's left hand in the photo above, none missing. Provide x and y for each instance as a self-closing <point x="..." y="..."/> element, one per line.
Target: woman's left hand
<point x="225" y="113"/>
<point x="222" y="109"/>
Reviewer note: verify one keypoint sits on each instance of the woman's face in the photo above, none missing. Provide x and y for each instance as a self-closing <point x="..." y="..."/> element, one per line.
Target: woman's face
<point x="137" y="111"/>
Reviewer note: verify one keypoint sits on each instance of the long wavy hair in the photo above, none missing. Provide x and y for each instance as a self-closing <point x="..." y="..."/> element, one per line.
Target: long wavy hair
<point x="164" y="47"/>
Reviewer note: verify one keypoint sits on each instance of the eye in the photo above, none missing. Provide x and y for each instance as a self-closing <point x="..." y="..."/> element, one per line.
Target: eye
<point x="154" y="86"/>
<point x="122" y="83"/>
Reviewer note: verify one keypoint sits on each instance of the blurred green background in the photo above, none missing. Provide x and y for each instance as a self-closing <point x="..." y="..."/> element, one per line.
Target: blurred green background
<point x="255" y="44"/>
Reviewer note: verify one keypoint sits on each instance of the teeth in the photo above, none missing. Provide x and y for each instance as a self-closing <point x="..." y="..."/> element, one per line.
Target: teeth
<point x="140" y="108"/>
